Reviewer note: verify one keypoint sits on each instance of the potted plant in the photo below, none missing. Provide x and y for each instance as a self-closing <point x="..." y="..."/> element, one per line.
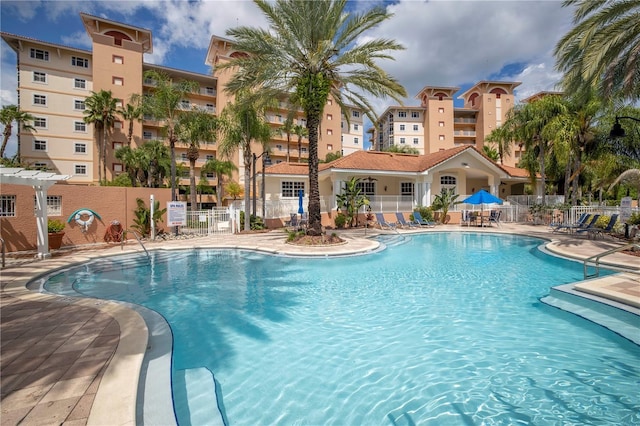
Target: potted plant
<point x="55" y="229"/>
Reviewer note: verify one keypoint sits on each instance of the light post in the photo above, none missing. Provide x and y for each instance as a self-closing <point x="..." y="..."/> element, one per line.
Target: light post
<point x="266" y="160"/>
<point x="617" y="131"/>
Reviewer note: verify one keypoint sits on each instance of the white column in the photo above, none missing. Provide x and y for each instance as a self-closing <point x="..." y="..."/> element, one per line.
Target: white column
<point x="41" y="221"/>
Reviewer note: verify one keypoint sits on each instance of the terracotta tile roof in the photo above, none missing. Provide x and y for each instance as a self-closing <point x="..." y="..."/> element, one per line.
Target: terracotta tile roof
<point x="387" y="161"/>
<point x="514" y="171"/>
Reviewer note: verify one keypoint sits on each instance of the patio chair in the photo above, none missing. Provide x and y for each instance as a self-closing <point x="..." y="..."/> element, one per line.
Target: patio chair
<point x="417" y="217"/>
<point x="494" y="217"/>
<point x="293" y="222"/>
<point x="571" y="226"/>
<point x="304" y="220"/>
<point x="606" y="230"/>
<point x="406" y="224"/>
<point x="383" y="223"/>
<point x="586" y="226"/>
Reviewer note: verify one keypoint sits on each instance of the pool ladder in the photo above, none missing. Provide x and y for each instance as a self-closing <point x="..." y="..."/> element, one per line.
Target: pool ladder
<point x="135" y="234"/>
<point x="595" y="261"/>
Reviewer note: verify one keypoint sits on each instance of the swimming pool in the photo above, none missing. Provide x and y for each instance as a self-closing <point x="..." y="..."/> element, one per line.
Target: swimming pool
<point x="444" y="329"/>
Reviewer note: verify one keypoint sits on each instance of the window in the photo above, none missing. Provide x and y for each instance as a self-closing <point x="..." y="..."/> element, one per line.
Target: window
<point x="329" y="147"/>
<point x="402" y="114"/>
<point x="80" y="148"/>
<point x="185" y="174"/>
<point x="117" y="125"/>
<point x="441" y="123"/>
<point x="329" y="102"/>
<point x="402" y="127"/>
<point x="356" y="141"/>
<point x="355" y="114"/>
<point x="40" y="54"/>
<point x="184" y="104"/>
<point x="118" y="59"/>
<point x="147" y="135"/>
<point x="118" y="103"/>
<point x="441" y="110"/>
<point x="441" y="137"/>
<point x="210" y="108"/>
<point x="117" y="167"/>
<point x="40" y="100"/>
<point x="367" y="188"/>
<point x="329" y="132"/>
<point x="183" y="156"/>
<point x="402" y="140"/>
<point x="79" y="62"/>
<point x="41" y="165"/>
<point x="415" y="127"/>
<point x="39" y="145"/>
<point x="448" y="180"/>
<point x="210" y="91"/>
<point x="415" y="141"/>
<point x="291" y="189"/>
<point x="329" y="117"/>
<point x="7" y="206"/>
<point x="79" y="105"/>
<point x="406" y="188"/>
<point x="80" y="83"/>
<point x="356" y="127"/>
<point x="118" y="81"/>
<point x="279" y="148"/>
<point x="209" y="157"/>
<point x="40" y="122"/>
<point x="39" y="77"/>
<point x="80" y="126"/>
<point x="54" y="205"/>
<point x="80" y="169"/>
<point x="415" y="114"/>
<point x="303" y="150"/>
<point x="117" y="145"/>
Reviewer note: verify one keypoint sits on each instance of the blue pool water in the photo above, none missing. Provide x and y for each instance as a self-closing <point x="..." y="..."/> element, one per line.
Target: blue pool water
<point x="446" y="329"/>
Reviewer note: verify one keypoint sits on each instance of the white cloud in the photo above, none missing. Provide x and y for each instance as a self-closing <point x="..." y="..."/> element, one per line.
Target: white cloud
<point x="78" y="39"/>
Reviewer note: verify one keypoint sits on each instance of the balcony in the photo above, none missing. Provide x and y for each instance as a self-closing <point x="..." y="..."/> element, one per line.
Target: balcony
<point x="465" y="133"/>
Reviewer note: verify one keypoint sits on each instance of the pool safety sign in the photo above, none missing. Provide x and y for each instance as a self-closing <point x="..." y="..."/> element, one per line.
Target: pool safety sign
<point x="176" y="213"/>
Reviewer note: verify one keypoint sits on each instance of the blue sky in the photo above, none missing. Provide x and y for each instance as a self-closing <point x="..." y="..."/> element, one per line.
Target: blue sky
<point x="451" y="43"/>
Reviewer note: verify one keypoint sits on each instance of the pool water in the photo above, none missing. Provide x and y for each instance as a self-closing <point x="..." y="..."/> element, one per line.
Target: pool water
<point x="445" y="329"/>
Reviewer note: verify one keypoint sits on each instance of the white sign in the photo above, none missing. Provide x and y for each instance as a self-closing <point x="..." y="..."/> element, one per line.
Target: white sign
<point x="176" y="213"/>
<point x="625" y="209"/>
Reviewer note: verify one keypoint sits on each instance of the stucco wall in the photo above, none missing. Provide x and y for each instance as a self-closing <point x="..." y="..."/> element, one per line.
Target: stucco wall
<point x="111" y="203"/>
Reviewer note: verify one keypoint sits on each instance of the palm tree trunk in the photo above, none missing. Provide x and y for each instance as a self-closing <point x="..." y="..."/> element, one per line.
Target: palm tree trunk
<point x="219" y="190"/>
<point x="299" y="147"/>
<point x="172" y="148"/>
<point x="6" y="134"/>
<point x="288" y="146"/>
<point x="192" y="183"/>
<point x="543" y="175"/>
<point x="247" y="186"/>
<point x="315" y="218"/>
<point x="104" y="153"/>
<point x="100" y="143"/>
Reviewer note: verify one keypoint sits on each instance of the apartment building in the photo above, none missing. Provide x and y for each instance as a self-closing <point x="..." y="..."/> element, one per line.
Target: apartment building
<point x="54" y="81"/>
<point x="352" y="130"/>
<point x="437" y="124"/>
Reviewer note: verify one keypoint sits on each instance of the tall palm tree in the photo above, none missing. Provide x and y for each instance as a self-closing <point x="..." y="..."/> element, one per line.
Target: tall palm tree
<point x="287" y="129"/>
<point x="101" y="112"/>
<point x="528" y="123"/>
<point x="603" y="49"/>
<point x="158" y="158"/>
<point x="131" y="112"/>
<point x="8" y="115"/>
<point x="241" y="123"/>
<point x="192" y="129"/>
<point x="165" y="105"/>
<point x="220" y="169"/>
<point x="312" y="51"/>
<point x="301" y="132"/>
<point x="502" y="137"/>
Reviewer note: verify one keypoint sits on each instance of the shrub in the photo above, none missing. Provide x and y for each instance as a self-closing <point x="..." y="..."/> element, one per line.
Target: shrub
<point x="602" y="222"/>
<point x="256" y="223"/>
<point x="425" y="212"/>
<point x="634" y="219"/>
<point x="340" y="220"/>
<point x="55" y="225"/>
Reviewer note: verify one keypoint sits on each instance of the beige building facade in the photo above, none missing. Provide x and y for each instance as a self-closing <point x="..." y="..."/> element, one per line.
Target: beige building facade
<point x="438" y="125"/>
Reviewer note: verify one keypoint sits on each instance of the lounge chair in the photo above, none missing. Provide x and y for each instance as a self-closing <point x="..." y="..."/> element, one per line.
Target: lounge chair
<point x="403" y="223"/>
<point x="383" y="223"/>
<point x="417" y="217"/>
<point x="590" y="225"/>
<point x="606" y="230"/>
<point x="571" y="226"/>
<point x="494" y="217"/>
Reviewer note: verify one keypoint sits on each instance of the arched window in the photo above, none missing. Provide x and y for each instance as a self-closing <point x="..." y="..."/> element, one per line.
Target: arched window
<point x="118" y="37"/>
<point x="472" y="99"/>
<point x="448" y="182"/>
<point x="498" y="92"/>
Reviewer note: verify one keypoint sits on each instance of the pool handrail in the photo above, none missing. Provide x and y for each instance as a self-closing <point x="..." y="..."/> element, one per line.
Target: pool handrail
<point x="595" y="259"/>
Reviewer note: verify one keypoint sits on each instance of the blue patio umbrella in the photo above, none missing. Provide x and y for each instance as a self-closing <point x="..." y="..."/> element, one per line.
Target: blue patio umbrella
<point x="300" y="200"/>
<point x="482" y="197"/>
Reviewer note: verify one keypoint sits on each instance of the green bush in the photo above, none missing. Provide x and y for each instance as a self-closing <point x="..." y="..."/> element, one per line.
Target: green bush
<point x="256" y="222"/>
<point x="602" y="222"/>
<point x="425" y="212"/>
<point x="55" y="225"/>
<point x="340" y="220"/>
<point x="634" y="219"/>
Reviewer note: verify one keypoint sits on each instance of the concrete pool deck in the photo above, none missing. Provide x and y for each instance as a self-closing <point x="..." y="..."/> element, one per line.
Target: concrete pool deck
<point x="73" y="361"/>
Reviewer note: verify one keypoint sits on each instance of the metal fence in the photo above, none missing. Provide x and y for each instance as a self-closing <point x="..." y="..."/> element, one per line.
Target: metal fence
<point x="208" y="222"/>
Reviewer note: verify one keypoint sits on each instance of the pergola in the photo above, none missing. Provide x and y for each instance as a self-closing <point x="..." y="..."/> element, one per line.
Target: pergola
<point x="41" y="182"/>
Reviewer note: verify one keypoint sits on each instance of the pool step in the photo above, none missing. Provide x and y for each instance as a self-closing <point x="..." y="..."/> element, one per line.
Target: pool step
<point x="196" y="399"/>
<point x="391" y="240"/>
<point x="595" y="309"/>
